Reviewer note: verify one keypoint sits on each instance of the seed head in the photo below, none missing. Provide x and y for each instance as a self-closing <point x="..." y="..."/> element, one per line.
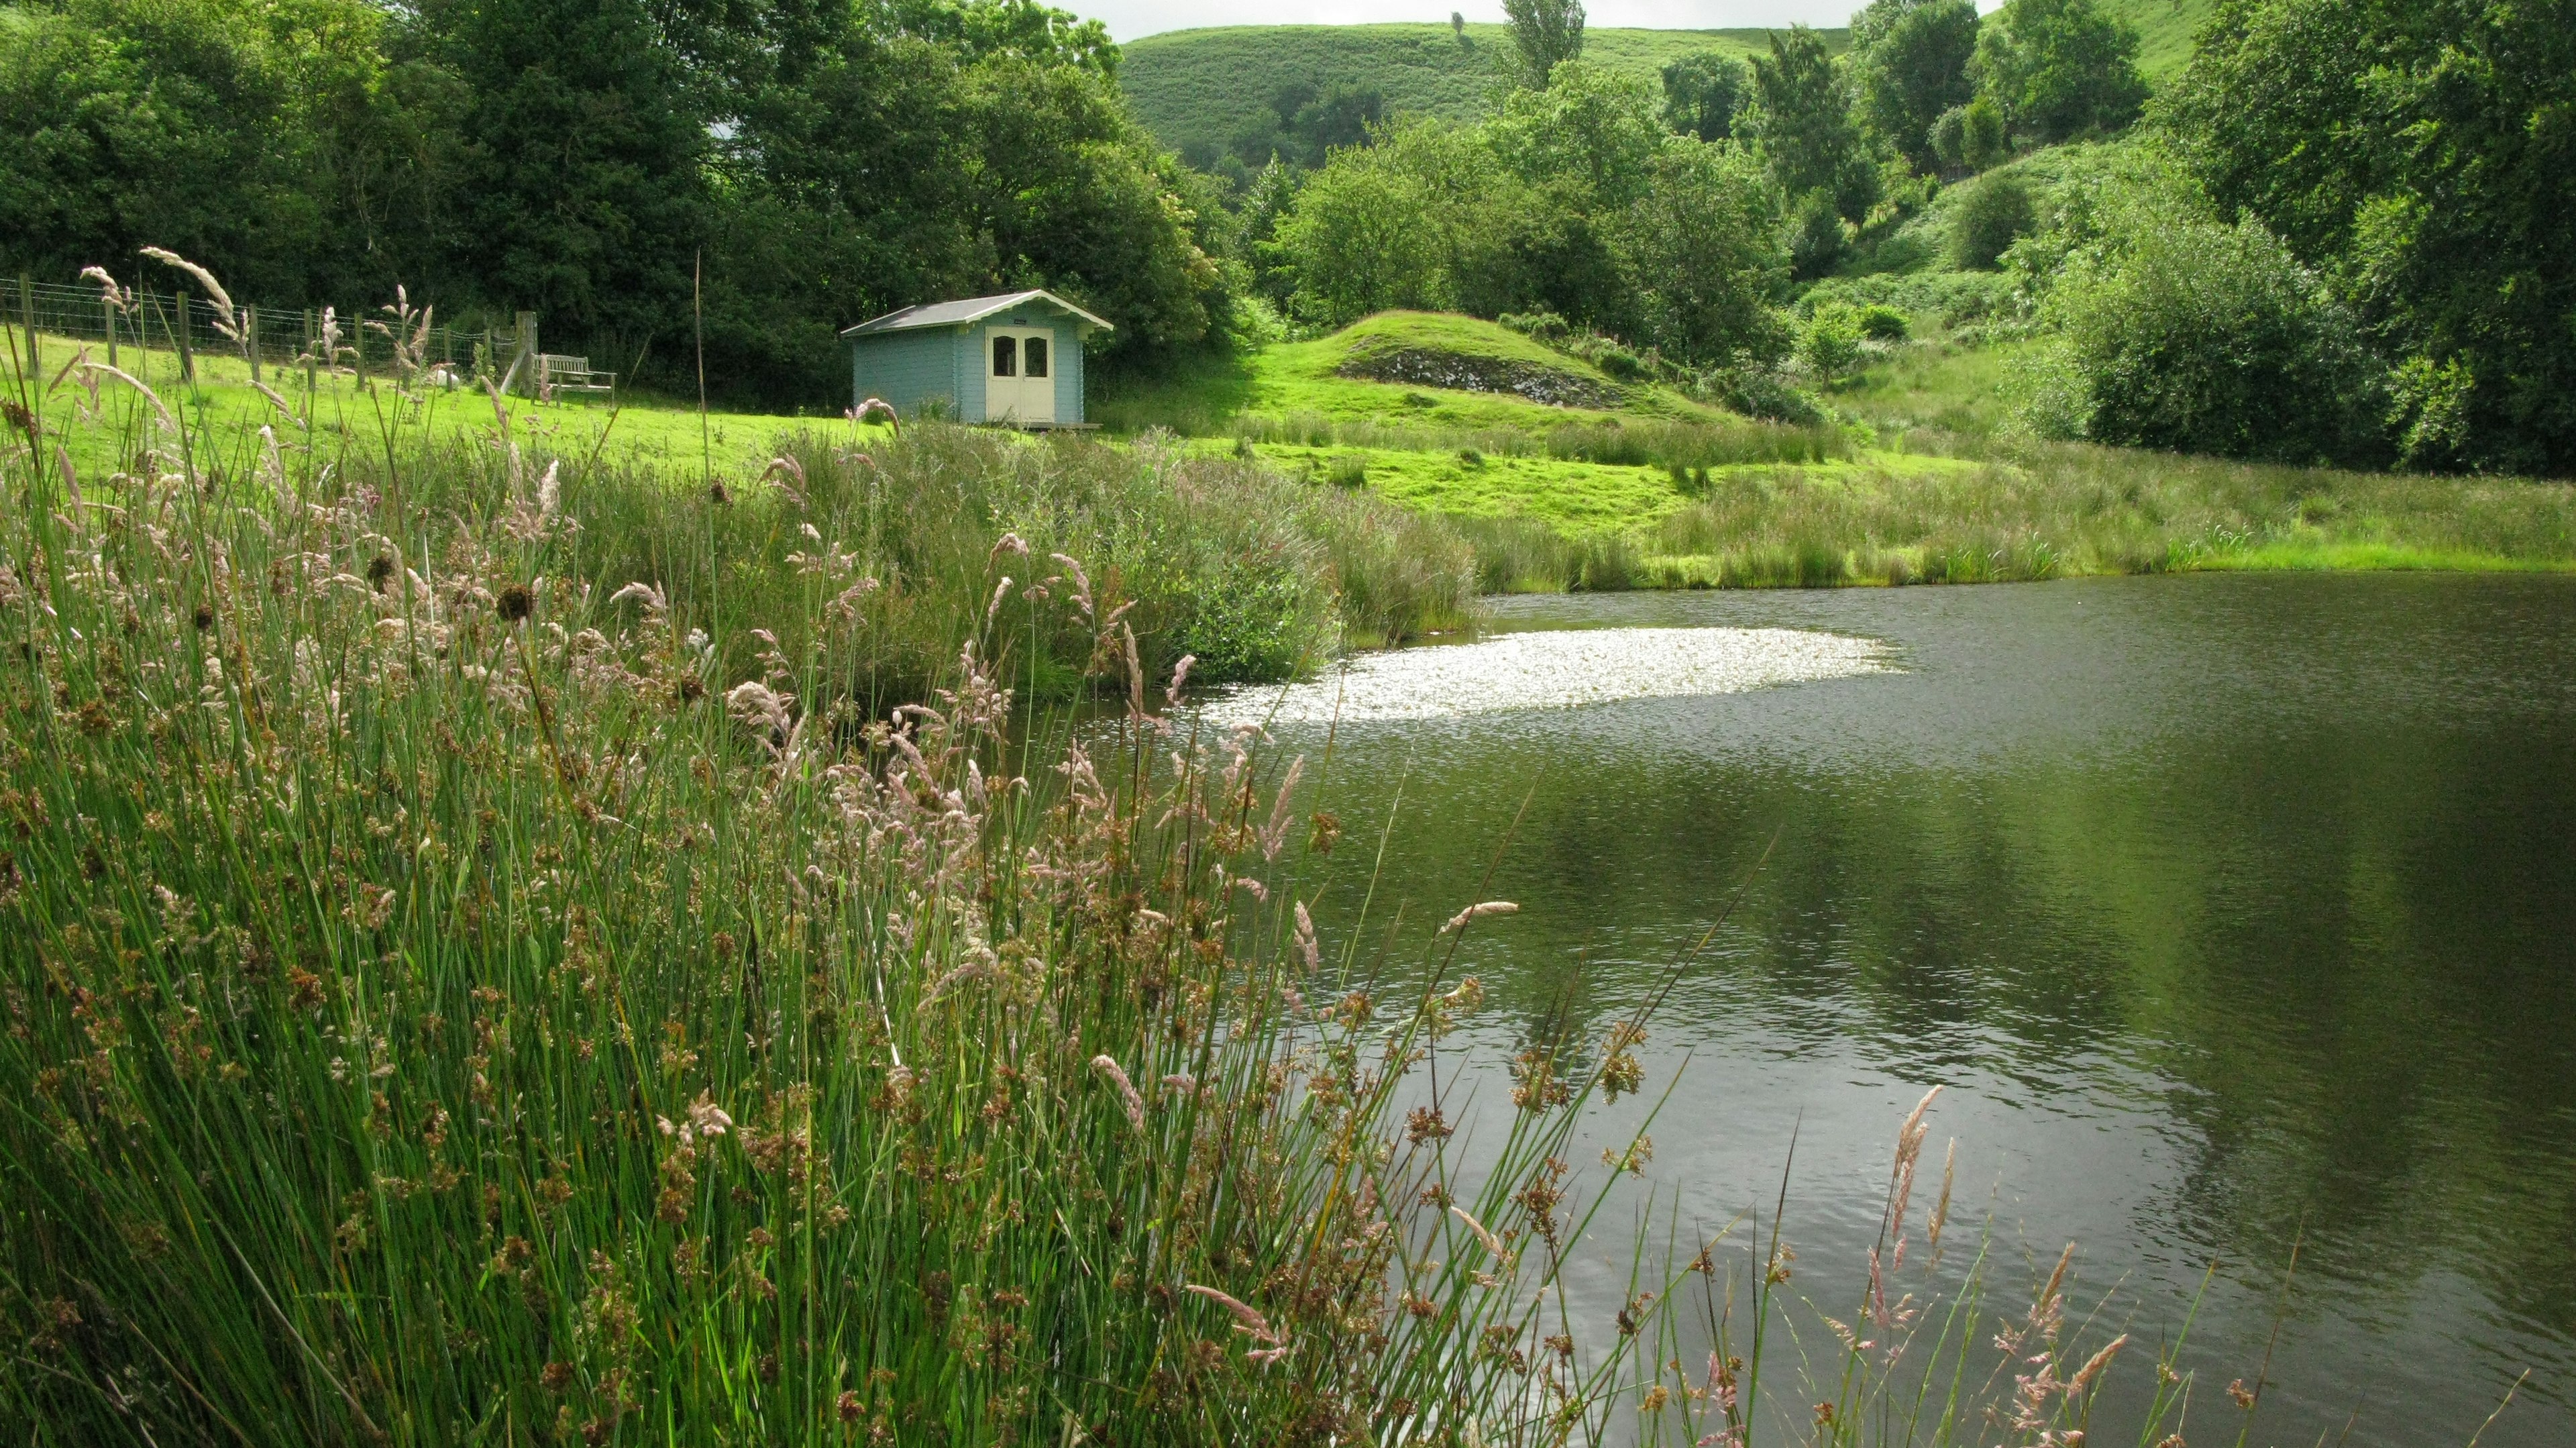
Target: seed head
<point x="515" y="603"/>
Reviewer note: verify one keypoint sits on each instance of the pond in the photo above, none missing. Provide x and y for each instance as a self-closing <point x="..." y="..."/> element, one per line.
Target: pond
<point x="2232" y="912"/>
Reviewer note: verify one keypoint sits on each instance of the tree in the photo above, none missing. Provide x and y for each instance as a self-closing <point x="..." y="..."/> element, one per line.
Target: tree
<point x="584" y="194"/>
<point x="1545" y="34"/>
<point x="1992" y="214"/>
<point x="2425" y="155"/>
<point x="1361" y="239"/>
<point x="1702" y="248"/>
<point x="1702" y="93"/>
<point x="2198" y="337"/>
<point x="1967" y="139"/>
<point x="1802" y="124"/>
<point x="275" y="143"/>
<point x="2059" y="69"/>
<point x="1910" y="64"/>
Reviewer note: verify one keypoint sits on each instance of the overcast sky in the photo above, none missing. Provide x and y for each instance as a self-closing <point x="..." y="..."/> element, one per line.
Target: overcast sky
<point x="1132" y="19"/>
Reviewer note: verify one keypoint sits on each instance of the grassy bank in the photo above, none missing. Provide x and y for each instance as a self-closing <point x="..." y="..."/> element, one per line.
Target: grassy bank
<point x="1922" y="484"/>
<point x="1253" y="574"/>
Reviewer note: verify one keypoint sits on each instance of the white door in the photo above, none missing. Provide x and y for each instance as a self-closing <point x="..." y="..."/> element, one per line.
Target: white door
<point x="1019" y="375"/>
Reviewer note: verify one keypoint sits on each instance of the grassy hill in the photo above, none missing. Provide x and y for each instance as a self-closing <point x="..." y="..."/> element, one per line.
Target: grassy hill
<point x="2165" y="29"/>
<point x="1201" y="87"/>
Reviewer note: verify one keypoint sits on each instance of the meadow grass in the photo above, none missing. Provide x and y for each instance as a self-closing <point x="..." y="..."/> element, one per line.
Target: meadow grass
<point x="340" y="413"/>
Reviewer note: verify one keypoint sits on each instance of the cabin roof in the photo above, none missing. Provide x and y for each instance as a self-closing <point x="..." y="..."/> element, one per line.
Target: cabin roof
<point x="960" y="313"/>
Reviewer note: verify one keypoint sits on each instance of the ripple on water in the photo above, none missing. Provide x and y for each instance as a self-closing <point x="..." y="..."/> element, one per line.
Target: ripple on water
<point x="1560" y="669"/>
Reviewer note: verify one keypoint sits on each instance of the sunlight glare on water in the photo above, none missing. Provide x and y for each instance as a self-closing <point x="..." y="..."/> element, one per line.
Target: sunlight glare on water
<point x="1556" y="671"/>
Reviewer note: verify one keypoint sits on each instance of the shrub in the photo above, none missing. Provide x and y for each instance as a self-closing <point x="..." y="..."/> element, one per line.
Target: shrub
<point x="1882" y="323"/>
<point x="1971" y="137"/>
<point x="1996" y="212"/>
<point x="2205" y="338"/>
<point x="1816" y="237"/>
<point x="1829" y="349"/>
<point x="1347" y="472"/>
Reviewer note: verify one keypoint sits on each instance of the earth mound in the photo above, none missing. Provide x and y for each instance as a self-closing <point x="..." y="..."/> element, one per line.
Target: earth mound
<point x="1461" y="372"/>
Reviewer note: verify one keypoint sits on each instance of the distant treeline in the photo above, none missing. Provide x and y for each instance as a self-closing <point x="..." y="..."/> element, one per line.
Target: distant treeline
<point x="823" y="160"/>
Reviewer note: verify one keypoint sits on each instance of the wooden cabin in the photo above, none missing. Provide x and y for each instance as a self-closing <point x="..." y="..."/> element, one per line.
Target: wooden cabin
<point x="1014" y="359"/>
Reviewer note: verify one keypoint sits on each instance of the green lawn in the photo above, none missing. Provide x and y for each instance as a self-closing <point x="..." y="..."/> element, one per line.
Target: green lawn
<point x="224" y="412"/>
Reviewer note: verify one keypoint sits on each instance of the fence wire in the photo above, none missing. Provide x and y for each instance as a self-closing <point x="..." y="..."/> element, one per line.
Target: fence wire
<point x="176" y="325"/>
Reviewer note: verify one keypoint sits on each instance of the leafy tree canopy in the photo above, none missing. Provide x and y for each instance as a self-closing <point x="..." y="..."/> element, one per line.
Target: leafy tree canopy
<point x="1910" y="64"/>
<point x="2424" y="154"/>
<point x="1545" y="35"/>
<point x="823" y="160"/>
<point x="1702" y="94"/>
<point x="2059" y="69"/>
<point x="1802" y="123"/>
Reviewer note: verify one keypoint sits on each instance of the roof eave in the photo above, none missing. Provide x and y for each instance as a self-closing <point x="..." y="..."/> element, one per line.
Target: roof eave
<point x="878" y="326"/>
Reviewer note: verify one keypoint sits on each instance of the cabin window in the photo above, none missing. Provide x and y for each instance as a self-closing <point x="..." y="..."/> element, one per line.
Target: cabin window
<point x="1034" y="353"/>
<point x="1006" y="356"/>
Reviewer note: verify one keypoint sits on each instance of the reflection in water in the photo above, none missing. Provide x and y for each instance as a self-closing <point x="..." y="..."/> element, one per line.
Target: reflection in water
<point x="2231" y="909"/>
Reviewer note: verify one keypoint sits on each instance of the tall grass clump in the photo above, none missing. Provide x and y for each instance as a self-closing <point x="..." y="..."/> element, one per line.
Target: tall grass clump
<point x="450" y="1004"/>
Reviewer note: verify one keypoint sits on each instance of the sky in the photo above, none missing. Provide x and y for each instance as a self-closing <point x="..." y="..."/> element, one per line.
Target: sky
<point x="1133" y="19"/>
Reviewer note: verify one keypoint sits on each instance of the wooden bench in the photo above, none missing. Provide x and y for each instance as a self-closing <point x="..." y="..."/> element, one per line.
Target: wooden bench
<point x="557" y="373"/>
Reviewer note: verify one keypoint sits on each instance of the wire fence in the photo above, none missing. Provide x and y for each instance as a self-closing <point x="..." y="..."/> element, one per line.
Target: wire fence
<point x="181" y="329"/>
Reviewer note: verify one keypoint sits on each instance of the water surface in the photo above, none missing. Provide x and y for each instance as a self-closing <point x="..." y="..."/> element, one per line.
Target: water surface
<point x="2233" y="912"/>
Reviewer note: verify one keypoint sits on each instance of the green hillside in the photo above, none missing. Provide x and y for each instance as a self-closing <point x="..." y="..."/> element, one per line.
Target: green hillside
<point x="1200" y="88"/>
<point x="2165" y="28"/>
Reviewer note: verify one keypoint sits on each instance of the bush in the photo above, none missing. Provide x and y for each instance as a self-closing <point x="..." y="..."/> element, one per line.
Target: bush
<point x="1347" y="472"/>
<point x="1829" y="349"/>
<point x="1996" y="212"/>
<point x="1970" y="138"/>
<point x="2204" y="338"/>
<point x="1881" y="323"/>
<point x="1816" y="238"/>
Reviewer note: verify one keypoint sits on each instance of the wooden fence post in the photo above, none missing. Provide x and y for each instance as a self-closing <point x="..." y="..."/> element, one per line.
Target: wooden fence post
<point x="187" y="352"/>
<point x="528" y="351"/>
<point x="107" y="310"/>
<point x="27" y="316"/>
<point x="250" y="339"/>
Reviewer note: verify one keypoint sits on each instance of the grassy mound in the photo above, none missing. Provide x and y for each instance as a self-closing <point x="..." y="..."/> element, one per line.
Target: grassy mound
<point x="1324" y="378"/>
<point x="1190" y="89"/>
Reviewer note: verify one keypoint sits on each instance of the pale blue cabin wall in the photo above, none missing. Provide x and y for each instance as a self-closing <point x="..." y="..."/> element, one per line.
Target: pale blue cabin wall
<point x="1068" y="374"/>
<point x="906" y="369"/>
<point x="968" y="344"/>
